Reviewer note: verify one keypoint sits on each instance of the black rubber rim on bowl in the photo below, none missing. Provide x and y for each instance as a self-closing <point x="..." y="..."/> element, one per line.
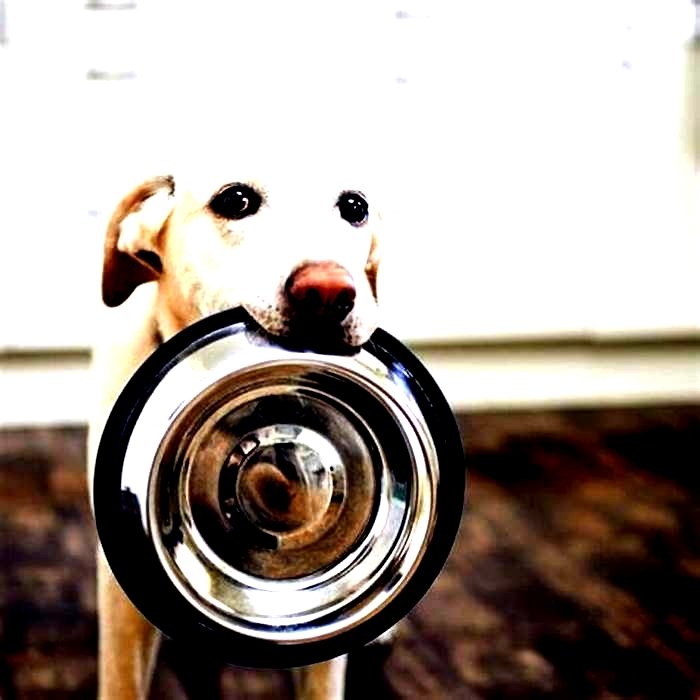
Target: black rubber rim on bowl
<point x="134" y="562"/>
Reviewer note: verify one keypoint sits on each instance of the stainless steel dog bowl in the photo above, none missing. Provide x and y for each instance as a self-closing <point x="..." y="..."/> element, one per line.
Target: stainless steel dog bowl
<point x="278" y="506"/>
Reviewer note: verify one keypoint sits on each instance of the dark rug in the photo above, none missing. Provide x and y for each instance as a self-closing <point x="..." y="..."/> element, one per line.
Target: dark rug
<point x="576" y="574"/>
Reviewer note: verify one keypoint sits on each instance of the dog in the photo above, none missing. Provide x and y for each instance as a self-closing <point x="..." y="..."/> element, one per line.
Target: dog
<point x="300" y="254"/>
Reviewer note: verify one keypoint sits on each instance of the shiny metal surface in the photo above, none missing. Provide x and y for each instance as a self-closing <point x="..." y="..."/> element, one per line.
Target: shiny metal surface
<point x="289" y="496"/>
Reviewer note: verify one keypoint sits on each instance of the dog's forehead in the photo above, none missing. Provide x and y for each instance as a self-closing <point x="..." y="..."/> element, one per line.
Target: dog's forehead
<point x="282" y="166"/>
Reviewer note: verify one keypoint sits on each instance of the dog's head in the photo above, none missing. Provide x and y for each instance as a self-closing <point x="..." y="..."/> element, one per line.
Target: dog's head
<point x="300" y="257"/>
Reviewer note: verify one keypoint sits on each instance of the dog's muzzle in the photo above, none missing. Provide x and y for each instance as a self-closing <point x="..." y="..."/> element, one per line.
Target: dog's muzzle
<point x="280" y="507"/>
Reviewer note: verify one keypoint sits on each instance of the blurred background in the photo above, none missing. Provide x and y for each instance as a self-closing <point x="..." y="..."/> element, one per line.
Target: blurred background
<point x="538" y="164"/>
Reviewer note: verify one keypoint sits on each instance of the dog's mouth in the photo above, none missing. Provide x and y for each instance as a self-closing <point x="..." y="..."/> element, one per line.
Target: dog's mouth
<point x="319" y="335"/>
<point x="325" y="337"/>
<point x="301" y="332"/>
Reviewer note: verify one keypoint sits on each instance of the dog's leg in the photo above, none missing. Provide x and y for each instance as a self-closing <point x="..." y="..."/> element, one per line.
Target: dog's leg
<point x="128" y="644"/>
<point x="324" y="681"/>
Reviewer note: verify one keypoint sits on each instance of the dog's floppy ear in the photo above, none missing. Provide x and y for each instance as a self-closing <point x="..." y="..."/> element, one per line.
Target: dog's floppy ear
<point x="131" y="244"/>
<point x="372" y="266"/>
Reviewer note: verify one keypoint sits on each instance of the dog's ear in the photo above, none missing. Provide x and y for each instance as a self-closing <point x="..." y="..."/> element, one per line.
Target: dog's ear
<point x="131" y="254"/>
<point x="372" y="266"/>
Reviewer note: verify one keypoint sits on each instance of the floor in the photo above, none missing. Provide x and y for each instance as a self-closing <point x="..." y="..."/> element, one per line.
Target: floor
<point x="576" y="574"/>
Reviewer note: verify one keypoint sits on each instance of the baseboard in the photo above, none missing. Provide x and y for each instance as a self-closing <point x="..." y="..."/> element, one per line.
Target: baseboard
<point x="55" y="388"/>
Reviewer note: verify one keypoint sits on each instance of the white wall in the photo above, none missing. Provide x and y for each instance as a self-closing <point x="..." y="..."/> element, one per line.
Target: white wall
<point x="542" y="180"/>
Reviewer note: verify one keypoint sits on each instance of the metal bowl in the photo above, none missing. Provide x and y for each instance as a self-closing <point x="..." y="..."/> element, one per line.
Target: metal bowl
<point x="278" y="506"/>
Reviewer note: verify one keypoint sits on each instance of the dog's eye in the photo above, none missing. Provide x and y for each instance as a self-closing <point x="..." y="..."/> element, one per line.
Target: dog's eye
<point x="235" y="202"/>
<point x="353" y="208"/>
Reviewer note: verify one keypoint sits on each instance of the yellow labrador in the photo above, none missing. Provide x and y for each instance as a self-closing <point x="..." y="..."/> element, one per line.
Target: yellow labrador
<point x="300" y="254"/>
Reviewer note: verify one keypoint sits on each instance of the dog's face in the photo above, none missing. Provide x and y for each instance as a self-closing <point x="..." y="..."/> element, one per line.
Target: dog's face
<point x="300" y="256"/>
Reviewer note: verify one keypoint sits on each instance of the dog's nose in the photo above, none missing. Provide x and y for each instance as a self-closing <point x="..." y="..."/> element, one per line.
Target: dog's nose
<point x="321" y="289"/>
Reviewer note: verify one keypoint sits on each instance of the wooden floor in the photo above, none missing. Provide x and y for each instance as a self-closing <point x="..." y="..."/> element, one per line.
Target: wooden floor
<point x="576" y="574"/>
